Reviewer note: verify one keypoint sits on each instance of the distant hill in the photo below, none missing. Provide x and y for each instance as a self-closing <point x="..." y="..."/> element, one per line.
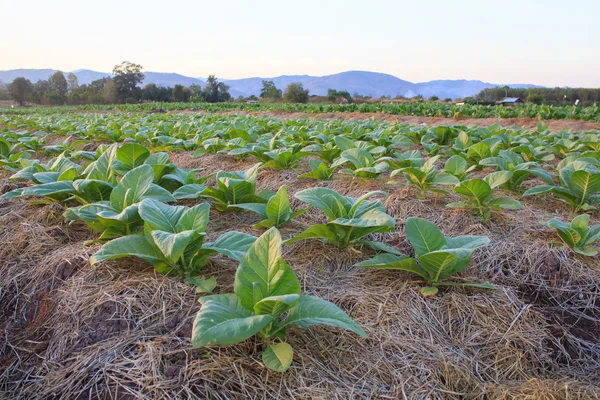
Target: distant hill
<point x="361" y="82"/>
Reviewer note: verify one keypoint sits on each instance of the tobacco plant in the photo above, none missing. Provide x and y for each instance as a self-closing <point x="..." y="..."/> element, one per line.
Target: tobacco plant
<point x="266" y="302"/>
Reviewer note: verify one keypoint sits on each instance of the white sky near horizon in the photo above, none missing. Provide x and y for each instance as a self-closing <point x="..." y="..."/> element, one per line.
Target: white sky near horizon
<point x="545" y="42"/>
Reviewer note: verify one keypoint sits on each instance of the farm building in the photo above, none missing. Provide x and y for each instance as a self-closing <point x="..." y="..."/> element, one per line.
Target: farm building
<point x="510" y="102"/>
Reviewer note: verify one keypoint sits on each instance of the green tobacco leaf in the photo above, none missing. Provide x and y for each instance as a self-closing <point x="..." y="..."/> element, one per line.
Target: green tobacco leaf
<point x="390" y="261"/>
<point x="278" y="357"/>
<point x="190" y="191"/>
<point x="202" y="284"/>
<point x="276" y="305"/>
<point x="194" y="218"/>
<point x="102" y="168"/>
<point x="49" y="189"/>
<point x="439" y="264"/>
<point x="233" y="244"/>
<point x="260" y="209"/>
<point x="318" y="231"/>
<point x="160" y="216"/>
<point x="498" y="178"/>
<point x="476" y="190"/>
<point x="429" y="291"/>
<point x="311" y="311"/>
<point x="263" y="272"/>
<point x="506" y="202"/>
<point x="378" y="246"/>
<point x="172" y="245"/>
<point x="132" y="155"/>
<point x="132" y="187"/>
<point x="278" y="208"/>
<point x="329" y="201"/>
<point x="92" y="190"/>
<point x="538" y="190"/>
<point x="129" y="246"/>
<point x="467" y="242"/>
<point x="585" y="184"/>
<point x="424" y="236"/>
<point x="222" y="321"/>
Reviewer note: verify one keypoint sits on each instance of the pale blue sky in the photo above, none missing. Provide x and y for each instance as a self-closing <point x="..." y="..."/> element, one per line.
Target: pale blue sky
<point x="547" y="42"/>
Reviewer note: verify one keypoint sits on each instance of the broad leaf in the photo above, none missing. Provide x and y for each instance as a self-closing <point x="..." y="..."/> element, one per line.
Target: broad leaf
<point x="222" y="321"/>
<point x="263" y="272"/>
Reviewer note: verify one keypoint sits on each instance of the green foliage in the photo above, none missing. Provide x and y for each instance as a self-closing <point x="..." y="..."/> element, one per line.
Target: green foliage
<point x="350" y="219"/>
<point x="578" y="235"/>
<point x="458" y="167"/>
<point x="20" y="89"/>
<point x="510" y="161"/>
<point x="276" y="213"/>
<point x="126" y="78"/>
<point x="479" y="195"/>
<point x="267" y="300"/>
<point x="295" y="93"/>
<point x="318" y="170"/>
<point x="362" y="162"/>
<point x="173" y="240"/>
<point x="579" y="187"/>
<point x="215" y="91"/>
<point x="424" y="178"/>
<point x="270" y="91"/>
<point x="232" y="188"/>
<point x="437" y="257"/>
<point x="119" y="215"/>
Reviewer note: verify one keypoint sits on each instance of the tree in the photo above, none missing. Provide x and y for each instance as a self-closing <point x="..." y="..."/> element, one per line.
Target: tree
<point x="181" y="93"/>
<point x="59" y="87"/>
<point x="334" y="95"/>
<point x="270" y="91"/>
<point x="535" y="98"/>
<point x="196" y="91"/>
<point x="20" y="89"/>
<point x="127" y="77"/>
<point x="215" y="91"/>
<point x="295" y="93"/>
<point x="72" y="82"/>
<point x="4" y="91"/>
<point x="41" y="91"/>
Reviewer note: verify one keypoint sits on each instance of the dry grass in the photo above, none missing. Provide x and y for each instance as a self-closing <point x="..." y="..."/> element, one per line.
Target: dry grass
<point x="119" y="331"/>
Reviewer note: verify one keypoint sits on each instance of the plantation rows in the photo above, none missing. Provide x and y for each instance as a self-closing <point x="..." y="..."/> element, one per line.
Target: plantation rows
<point x="124" y="190"/>
<point x="419" y="109"/>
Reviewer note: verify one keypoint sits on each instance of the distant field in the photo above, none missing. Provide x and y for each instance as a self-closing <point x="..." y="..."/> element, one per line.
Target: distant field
<point x="495" y="304"/>
<point x="417" y="109"/>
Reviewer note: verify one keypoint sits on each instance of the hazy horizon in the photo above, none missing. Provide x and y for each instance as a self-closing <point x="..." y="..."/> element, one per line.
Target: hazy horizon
<point x="540" y="42"/>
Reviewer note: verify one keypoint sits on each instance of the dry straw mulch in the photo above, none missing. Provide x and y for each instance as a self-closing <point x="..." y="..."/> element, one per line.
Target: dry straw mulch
<point x="119" y="331"/>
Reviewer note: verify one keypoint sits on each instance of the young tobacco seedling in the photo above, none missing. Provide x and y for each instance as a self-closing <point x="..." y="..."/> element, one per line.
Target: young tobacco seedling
<point x="267" y="300"/>
<point x="350" y="219"/>
<point x="479" y="195"/>
<point x="173" y="240"/>
<point x="363" y="164"/>
<point x="579" y="187"/>
<point x="438" y="257"/>
<point x="318" y="170"/>
<point x="119" y="216"/>
<point x="510" y="161"/>
<point x="424" y="178"/>
<point x="578" y="235"/>
<point x="276" y="213"/>
<point x="232" y="188"/>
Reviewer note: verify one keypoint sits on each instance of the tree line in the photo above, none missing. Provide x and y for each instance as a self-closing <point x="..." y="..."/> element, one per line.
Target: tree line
<point x="551" y="96"/>
<point x="124" y="86"/>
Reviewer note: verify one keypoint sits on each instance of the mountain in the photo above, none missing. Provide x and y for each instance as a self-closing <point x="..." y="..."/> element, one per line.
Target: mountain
<point x="373" y="84"/>
<point x="366" y="83"/>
